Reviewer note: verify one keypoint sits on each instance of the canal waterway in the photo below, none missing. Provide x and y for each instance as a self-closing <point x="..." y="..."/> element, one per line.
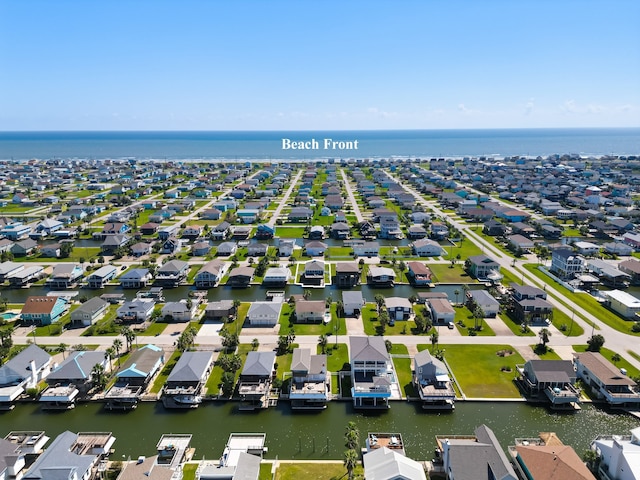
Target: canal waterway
<point x="316" y="435"/>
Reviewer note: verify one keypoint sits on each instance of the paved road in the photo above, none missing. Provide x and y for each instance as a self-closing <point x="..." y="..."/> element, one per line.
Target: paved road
<point x="285" y="200"/>
<point x="352" y="198"/>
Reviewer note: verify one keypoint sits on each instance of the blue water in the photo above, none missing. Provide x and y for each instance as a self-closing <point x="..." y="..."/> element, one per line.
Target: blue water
<point x="267" y="145"/>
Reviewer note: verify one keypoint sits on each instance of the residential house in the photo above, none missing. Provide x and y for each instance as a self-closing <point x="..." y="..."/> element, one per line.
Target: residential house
<point x="114" y="228"/>
<point x="286" y="247"/>
<point x="340" y="231"/>
<point x="483" y="268"/>
<point x="417" y="232"/>
<point x="9" y="268"/>
<point x="352" y="303"/>
<point x="315" y="248"/>
<point x="300" y="214"/>
<point x="200" y="249"/>
<point x="381" y="276"/>
<point x="100" y="277"/>
<point x="257" y="249"/>
<point x="385" y="463"/>
<point x="171" y="245"/>
<point x="219" y="310"/>
<point x="136" y="311"/>
<point x="149" y="228"/>
<point x="192" y="232"/>
<point x="520" y="243"/>
<point x="314" y="272"/>
<point x="631" y="267"/>
<point x="276" y="276"/>
<point x="310" y="380"/>
<point x="71" y="379"/>
<point x="371" y="372"/>
<point x="140" y="249"/>
<point x="43" y="310"/>
<point x="366" y="249"/>
<point x="65" y="275"/>
<point x="390" y="228"/>
<point x="48" y="226"/>
<point x="23" y="248"/>
<point x="608" y="274"/>
<point x="210" y="274"/>
<point x="587" y="248"/>
<point x="184" y="386"/>
<point x="26" y="276"/>
<point x="485" y="301"/>
<point x="426" y="248"/>
<point x="550" y="381"/>
<point x="248" y="215"/>
<point x="135" y="278"/>
<point x="479" y="456"/>
<point x="565" y="264"/>
<point x="226" y="249"/>
<point x="211" y="214"/>
<point x="347" y="274"/>
<point x="220" y="232"/>
<point x="398" y="308"/>
<point x="255" y="380"/>
<point x="431" y="381"/>
<point x="618" y="455"/>
<point x="241" y="276"/>
<point x="22" y="372"/>
<point x="606" y="381"/>
<point x="89" y="312"/>
<point x="419" y="274"/>
<point x="442" y="312"/>
<point x="316" y="232"/>
<point x="72" y="456"/>
<point x="310" y="311"/>
<point x="133" y="377"/>
<point x="494" y="228"/>
<point x="113" y="242"/>
<point x="52" y="250"/>
<point x="182" y="311"/>
<point x="172" y="273"/>
<point x="264" y="314"/>
<point x="530" y="305"/>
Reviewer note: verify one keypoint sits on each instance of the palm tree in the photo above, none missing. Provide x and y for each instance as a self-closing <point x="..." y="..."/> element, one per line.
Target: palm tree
<point x="110" y="353"/>
<point x="117" y="345"/>
<point x="62" y="348"/>
<point x="544" y="336"/>
<point x="350" y="462"/>
<point x="323" y="340"/>
<point x="352" y="436"/>
<point x="434" y="341"/>
<point x="129" y="336"/>
<point x="255" y="343"/>
<point x="379" y="299"/>
<point x="98" y="377"/>
<point x="615" y="358"/>
<point x="456" y="292"/>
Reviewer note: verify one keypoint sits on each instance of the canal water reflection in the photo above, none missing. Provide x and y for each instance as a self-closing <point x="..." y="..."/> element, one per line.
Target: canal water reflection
<point x="316" y="435"/>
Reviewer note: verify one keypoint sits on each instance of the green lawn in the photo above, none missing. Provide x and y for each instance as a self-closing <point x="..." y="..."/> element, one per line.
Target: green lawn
<point x="189" y="471"/>
<point x="290" y="232"/>
<point x="166" y="370"/>
<point x="310" y="328"/>
<point x="443" y="273"/>
<point x="213" y="383"/>
<point x="317" y="471"/>
<point x="588" y="303"/>
<point x="608" y="354"/>
<point x="465" y="248"/>
<point x="403" y="368"/>
<point x="548" y="355"/>
<point x="372" y="325"/>
<point x="465" y="322"/>
<point x="154" y="328"/>
<point x="478" y="369"/>
<point x="515" y="327"/>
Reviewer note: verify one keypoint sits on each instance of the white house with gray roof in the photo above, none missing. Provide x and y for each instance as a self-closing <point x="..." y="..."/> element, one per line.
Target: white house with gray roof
<point x="89" y="312"/>
<point x="255" y="380"/>
<point x="371" y="372"/>
<point x="384" y="463"/>
<point x="264" y="314"/>
<point x="184" y="385"/>
<point x="22" y="372"/>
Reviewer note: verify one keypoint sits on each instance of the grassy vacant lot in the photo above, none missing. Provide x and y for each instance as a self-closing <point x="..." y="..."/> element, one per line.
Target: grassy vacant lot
<point x="164" y="374"/>
<point x="465" y="248"/>
<point x="337" y="360"/>
<point x="372" y="325"/>
<point x="478" y="369"/>
<point x="465" y="323"/>
<point x="608" y="354"/>
<point x="317" y="471"/>
<point x="310" y="328"/>
<point x="403" y="368"/>
<point x="215" y="379"/>
<point x="443" y="273"/>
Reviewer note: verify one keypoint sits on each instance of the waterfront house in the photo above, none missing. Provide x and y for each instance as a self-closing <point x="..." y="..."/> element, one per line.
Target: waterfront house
<point x="431" y="381"/>
<point x="240" y="459"/>
<point x="608" y="274"/>
<point x="114" y="228"/>
<point x="316" y="232"/>
<point x="200" y="249"/>
<point x="133" y="377"/>
<point x="211" y="214"/>
<point x="286" y="247"/>
<point x="192" y="232"/>
<point x="182" y="311"/>
<point x="101" y="276"/>
<point x="72" y="456"/>
<point x="419" y="274"/>
<point x="386" y="463"/>
<point x="210" y="274"/>
<point x="187" y="379"/>
<point x="371" y="372"/>
<point x="547" y="458"/>
<point x="219" y="310"/>
<point x="276" y="276"/>
<point x="26" y="276"/>
<point x="135" y="278"/>
<point x="442" y="312"/>
<point x="48" y="226"/>
<point x="140" y="249"/>
<point x="310" y="311"/>
<point x="622" y="303"/>
<point x="631" y="267"/>
<point x="241" y="276"/>
<point x="347" y="274"/>
<point x="483" y="268"/>
<point x="494" y="228"/>
<point x="43" y="310"/>
<point x="479" y="456"/>
<point x="221" y="232"/>
<point x="352" y="303"/>
<point x="257" y="249"/>
<point x="520" y="243"/>
<point x="366" y="249"/>
<point x="417" y="232"/>
<point x="310" y="380"/>
<point x="481" y="298"/>
<point x="381" y="276"/>
<point x="390" y="228"/>
<point x="136" y="311"/>
<point x="71" y="379"/>
<point x="23" y="248"/>
<point x="427" y="248"/>
<point x="264" y="314"/>
<point x="255" y="380"/>
<point x="530" y="305"/>
<point x="8" y="269"/>
<point x="65" y="275"/>
<point x="565" y="264"/>
<point x="314" y="271"/>
<point x="340" y="231"/>
<point x="606" y="382"/>
<point x="149" y="228"/>
<point x="89" y="312"/>
<point x="618" y="456"/>
<point x="315" y="248"/>
<point x="112" y="243"/>
<point x="300" y="214"/>
<point x="22" y="372"/>
<point x="398" y="308"/>
<point x="226" y="248"/>
<point x="172" y="273"/>
<point x="550" y="381"/>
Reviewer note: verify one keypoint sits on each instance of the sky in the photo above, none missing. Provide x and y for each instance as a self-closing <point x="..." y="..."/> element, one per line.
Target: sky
<point x="328" y="65"/>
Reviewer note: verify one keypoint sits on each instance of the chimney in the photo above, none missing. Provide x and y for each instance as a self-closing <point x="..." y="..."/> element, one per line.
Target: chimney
<point x="34" y="375"/>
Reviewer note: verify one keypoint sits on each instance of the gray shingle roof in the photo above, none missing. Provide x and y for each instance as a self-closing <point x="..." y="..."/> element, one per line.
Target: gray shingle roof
<point x="259" y="363"/>
<point x="191" y="367"/>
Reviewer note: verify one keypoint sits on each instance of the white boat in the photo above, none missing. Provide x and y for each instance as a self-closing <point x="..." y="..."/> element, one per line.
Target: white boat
<point x="188" y="399"/>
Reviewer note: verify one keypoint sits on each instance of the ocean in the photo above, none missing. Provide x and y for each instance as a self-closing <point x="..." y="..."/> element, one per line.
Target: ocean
<point x="268" y="145"/>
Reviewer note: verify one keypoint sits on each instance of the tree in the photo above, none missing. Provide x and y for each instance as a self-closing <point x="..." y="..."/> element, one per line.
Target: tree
<point x="420" y="322"/>
<point x="227" y="383"/>
<point x="65" y="249"/>
<point x="434" y="341"/>
<point x="110" y="352"/>
<point x="615" y="358"/>
<point x="229" y="340"/>
<point x="117" y="345"/>
<point x="595" y="343"/>
<point x="323" y="340"/>
<point x="283" y="344"/>
<point x="352" y="436"/>
<point x="255" y="343"/>
<point x="544" y="335"/>
<point x="379" y="299"/>
<point x="383" y="318"/>
<point x="62" y="348"/>
<point x="129" y="336"/>
<point x="350" y="462"/>
<point x="478" y="314"/>
<point x="98" y="377"/>
<point x="6" y="342"/>
<point x="591" y="458"/>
